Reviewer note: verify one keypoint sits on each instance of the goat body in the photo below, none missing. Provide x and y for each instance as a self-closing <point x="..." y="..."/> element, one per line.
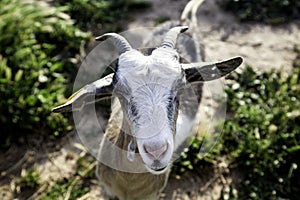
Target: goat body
<point x="125" y="185"/>
<point x="148" y="106"/>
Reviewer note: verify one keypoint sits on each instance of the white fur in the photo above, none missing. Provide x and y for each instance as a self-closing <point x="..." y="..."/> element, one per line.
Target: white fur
<point x="150" y="80"/>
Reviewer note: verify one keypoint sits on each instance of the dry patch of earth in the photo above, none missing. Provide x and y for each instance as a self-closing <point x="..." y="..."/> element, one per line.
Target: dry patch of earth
<point x="262" y="46"/>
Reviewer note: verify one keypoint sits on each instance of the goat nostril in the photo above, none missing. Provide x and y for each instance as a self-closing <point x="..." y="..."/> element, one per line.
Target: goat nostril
<point x="155" y="151"/>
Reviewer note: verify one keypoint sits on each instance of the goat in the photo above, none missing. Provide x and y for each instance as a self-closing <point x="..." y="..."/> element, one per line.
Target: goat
<point x="141" y="134"/>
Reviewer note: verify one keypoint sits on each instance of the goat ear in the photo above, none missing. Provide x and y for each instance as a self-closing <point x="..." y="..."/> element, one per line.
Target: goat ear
<point x="89" y="94"/>
<point x="210" y="71"/>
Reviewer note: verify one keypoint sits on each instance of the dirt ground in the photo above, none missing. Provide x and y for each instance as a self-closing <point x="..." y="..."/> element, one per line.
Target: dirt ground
<point x="261" y="46"/>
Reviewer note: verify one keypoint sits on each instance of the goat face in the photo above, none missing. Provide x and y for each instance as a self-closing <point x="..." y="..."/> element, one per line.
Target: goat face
<point x="147" y="87"/>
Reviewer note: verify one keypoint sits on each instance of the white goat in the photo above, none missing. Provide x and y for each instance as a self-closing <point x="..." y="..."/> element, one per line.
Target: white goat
<point x="147" y="90"/>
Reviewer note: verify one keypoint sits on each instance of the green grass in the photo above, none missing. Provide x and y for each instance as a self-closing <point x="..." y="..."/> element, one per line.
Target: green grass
<point x="264" y="134"/>
<point x="38" y="45"/>
<point x="262" y="138"/>
<point x="101" y="15"/>
<point x="76" y="186"/>
<point x="60" y="189"/>
<point x="29" y="180"/>
<point x="268" y="11"/>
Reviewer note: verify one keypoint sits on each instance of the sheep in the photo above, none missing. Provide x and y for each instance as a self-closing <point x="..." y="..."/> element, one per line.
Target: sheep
<point x="141" y="134"/>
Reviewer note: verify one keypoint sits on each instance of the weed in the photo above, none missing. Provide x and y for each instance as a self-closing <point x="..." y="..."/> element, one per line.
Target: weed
<point x="262" y="138"/>
<point x="29" y="179"/>
<point x="267" y="11"/>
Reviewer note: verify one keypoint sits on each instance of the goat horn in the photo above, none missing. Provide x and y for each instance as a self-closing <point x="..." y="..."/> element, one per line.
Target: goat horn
<point x="171" y="36"/>
<point x="119" y="41"/>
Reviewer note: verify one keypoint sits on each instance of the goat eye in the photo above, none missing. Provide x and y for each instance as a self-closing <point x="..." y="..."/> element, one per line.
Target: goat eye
<point x="133" y="109"/>
<point x="172" y="99"/>
<point x="176" y="57"/>
<point x="175" y="99"/>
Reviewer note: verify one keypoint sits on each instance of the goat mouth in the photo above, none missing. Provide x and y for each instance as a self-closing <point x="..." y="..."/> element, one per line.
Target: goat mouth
<point x="160" y="169"/>
<point x="157" y="170"/>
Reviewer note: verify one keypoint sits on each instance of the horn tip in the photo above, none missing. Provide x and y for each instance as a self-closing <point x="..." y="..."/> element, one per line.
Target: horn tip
<point x="100" y="38"/>
<point x="105" y="36"/>
<point x="55" y="110"/>
<point x="183" y="29"/>
<point x="62" y="108"/>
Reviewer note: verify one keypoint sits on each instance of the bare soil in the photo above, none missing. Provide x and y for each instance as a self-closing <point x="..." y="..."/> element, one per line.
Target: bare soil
<point x="262" y="46"/>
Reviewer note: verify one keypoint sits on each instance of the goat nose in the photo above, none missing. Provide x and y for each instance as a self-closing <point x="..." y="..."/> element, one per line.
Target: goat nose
<point x="156" y="150"/>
